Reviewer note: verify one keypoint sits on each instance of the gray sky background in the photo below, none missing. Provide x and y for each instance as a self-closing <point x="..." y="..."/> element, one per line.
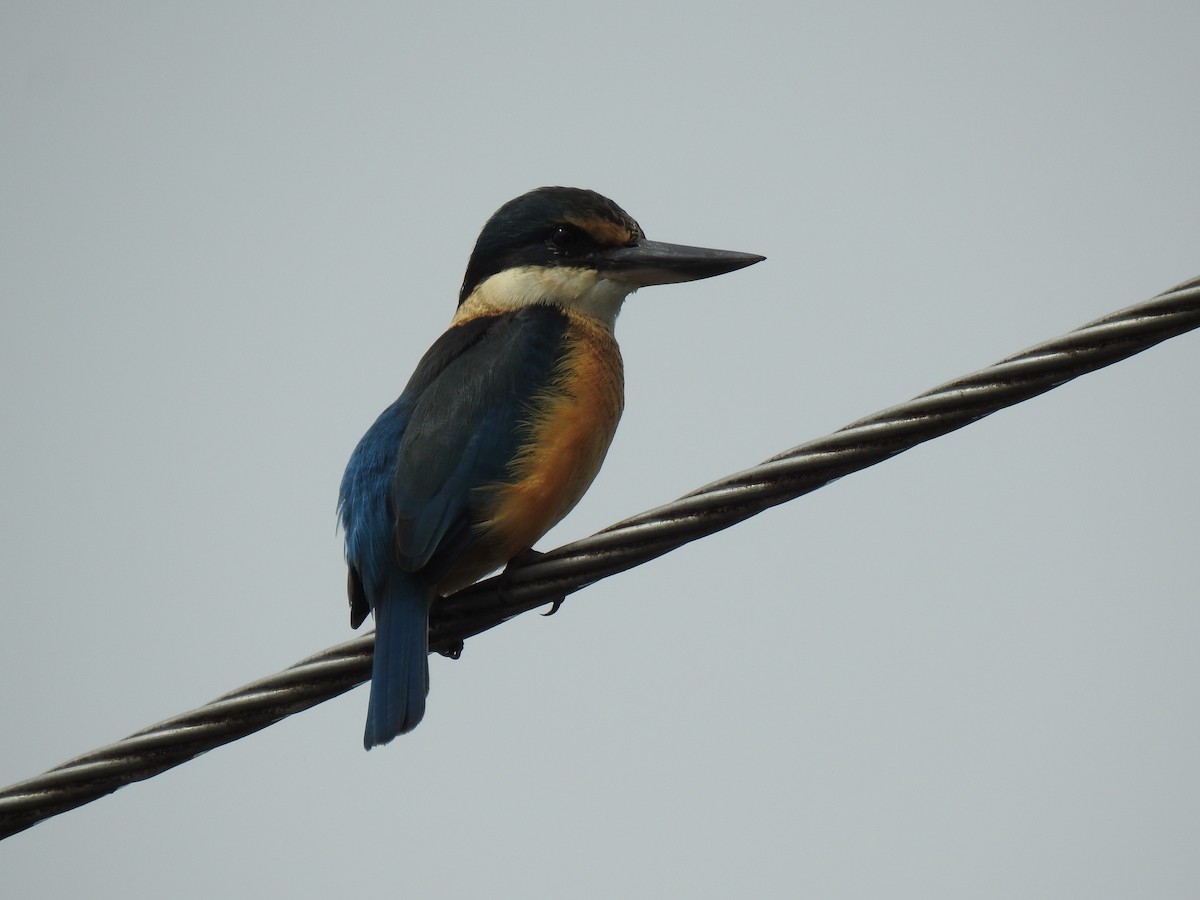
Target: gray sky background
<point x="227" y="233"/>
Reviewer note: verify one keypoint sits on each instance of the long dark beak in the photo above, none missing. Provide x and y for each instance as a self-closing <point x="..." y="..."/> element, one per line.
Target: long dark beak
<point x="653" y="262"/>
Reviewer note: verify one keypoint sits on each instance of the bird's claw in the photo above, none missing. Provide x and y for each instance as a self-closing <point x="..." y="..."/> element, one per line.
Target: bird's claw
<point x="525" y="557"/>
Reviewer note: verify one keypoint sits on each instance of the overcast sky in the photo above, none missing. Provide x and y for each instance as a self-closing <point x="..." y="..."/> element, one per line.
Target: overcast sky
<point x="227" y="234"/>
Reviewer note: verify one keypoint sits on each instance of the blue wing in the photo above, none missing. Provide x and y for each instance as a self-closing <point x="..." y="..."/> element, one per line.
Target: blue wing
<point x="408" y="489"/>
<point x="408" y="492"/>
<point x="465" y="431"/>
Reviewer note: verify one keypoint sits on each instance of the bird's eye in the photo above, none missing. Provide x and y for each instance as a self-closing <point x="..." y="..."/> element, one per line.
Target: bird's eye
<point x="564" y="238"/>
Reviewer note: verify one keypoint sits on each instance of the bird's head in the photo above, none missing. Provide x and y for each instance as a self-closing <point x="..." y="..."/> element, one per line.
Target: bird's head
<point x="577" y="249"/>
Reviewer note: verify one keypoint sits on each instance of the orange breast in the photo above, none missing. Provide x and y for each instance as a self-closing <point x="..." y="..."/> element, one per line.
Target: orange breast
<point x="572" y="425"/>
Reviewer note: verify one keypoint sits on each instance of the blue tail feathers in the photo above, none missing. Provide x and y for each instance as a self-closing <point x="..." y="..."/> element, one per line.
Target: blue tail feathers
<point x="400" y="672"/>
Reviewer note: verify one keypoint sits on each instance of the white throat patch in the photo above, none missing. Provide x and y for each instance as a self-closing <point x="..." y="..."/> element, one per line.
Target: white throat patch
<point x="585" y="290"/>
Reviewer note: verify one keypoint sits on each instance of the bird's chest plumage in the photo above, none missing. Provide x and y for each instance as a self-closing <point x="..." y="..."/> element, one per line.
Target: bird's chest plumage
<point x="567" y="431"/>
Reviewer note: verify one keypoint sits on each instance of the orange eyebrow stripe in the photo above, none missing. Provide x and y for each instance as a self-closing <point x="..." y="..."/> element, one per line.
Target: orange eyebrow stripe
<point x="604" y="231"/>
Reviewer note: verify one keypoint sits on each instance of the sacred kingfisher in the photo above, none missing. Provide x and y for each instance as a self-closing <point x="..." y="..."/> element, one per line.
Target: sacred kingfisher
<point x="502" y="426"/>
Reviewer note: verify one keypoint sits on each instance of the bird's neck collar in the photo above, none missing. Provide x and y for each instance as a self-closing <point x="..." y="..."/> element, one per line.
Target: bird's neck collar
<point x="576" y="289"/>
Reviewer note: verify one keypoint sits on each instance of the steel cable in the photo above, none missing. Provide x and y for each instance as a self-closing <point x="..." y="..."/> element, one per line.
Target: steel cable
<point x="532" y="583"/>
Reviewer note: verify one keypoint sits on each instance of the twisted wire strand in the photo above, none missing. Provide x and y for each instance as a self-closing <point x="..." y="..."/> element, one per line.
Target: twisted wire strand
<point x="528" y="584"/>
<point x="805" y="468"/>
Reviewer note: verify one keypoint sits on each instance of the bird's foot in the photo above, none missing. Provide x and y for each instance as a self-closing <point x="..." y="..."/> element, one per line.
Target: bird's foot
<point x="524" y="558"/>
<point x="454" y="651"/>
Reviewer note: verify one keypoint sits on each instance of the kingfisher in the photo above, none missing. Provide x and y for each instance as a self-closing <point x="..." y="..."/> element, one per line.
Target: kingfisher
<point x="503" y="425"/>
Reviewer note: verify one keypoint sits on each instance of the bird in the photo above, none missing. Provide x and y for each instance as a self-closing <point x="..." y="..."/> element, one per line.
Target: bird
<point x="502" y="426"/>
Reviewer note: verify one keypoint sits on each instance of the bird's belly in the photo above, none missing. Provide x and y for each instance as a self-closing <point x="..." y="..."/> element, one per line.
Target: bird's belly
<point x="571" y="426"/>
